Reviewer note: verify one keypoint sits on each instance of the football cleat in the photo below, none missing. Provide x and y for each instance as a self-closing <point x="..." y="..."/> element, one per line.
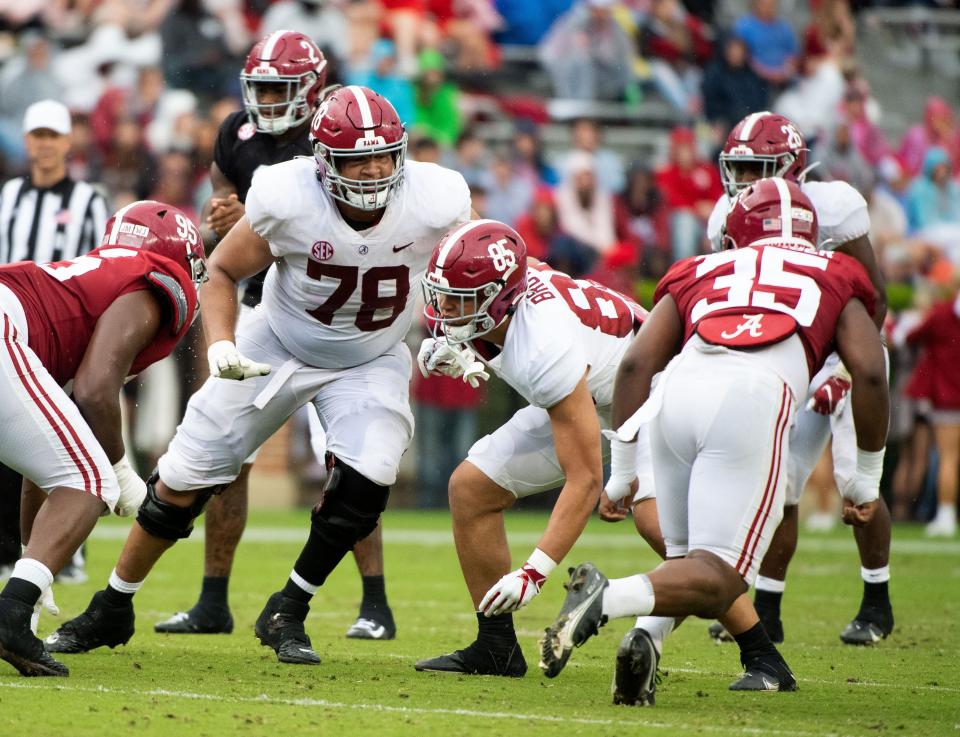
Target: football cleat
<point x="768" y="672"/>
<point x="370" y="629"/>
<point x="718" y="633"/>
<point x="198" y="621"/>
<point x="20" y="647"/>
<point x="99" y="625"/>
<point x="280" y="626"/>
<point x="871" y="625"/>
<point x="478" y="660"/>
<point x="580" y="617"/>
<point x="635" y="678"/>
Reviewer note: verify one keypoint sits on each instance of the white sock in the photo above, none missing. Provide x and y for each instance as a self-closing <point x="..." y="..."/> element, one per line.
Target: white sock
<point x="770" y="584"/>
<point x="658" y="628"/>
<point x="124" y="587"/>
<point x="947" y="513"/>
<point x="33" y="571"/>
<point x="303" y="583"/>
<point x="875" y="575"/>
<point x="628" y="597"/>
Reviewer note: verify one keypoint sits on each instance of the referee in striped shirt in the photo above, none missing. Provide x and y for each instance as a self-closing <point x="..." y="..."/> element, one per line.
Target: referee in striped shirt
<point x="44" y="216"/>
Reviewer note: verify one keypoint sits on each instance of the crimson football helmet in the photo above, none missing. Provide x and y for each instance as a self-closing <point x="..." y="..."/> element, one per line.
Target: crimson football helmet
<point x="162" y="229"/>
<point x="283" y="58"/>
<point x="770" y="212"/>
<point x="356" y="121"/>
<point x="483" y="264"/>
<point x="766" y="142"/>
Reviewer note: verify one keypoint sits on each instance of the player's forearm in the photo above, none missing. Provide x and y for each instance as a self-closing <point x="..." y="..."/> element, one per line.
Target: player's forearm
<point x="631" y="388"/>
<point x="218" y="307"/>
<point x="870" y="401"/>
<point x="100" y="407"/>
<point x="570" y="514"/>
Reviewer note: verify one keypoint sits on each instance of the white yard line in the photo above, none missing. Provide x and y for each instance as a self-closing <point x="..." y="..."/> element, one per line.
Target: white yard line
<point x="438" y="538"/>
<point x="266" y="699"/>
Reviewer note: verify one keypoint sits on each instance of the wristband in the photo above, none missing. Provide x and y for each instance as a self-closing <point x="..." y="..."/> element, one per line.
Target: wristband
<point x="541" y="562"/>
<point x="841" y="373"/>
<point x="869" y="470"/>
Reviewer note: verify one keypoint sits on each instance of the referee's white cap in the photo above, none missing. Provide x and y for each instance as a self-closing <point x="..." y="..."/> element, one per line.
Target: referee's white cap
<point x="47" y="114"/>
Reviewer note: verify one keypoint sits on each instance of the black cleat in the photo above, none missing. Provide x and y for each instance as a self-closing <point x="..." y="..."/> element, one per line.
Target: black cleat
<point x="478" y="660"/>
<point x="635" y="678"/>
<point x="871" y="625"/>
<point x="718" y="633"/>
<point x="198" y="621"/>
<point x="765" y="673"/>
<point x="373" y="627"/>
<point x="280" y="626"/>
<point x="580" y="617"/>
<point x="20" y="647"/>
<point x="99" y="625"/>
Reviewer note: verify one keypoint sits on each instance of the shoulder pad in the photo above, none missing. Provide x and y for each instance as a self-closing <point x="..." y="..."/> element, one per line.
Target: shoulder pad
<point x="177" y="298"/>
<point x="440" y="194"/>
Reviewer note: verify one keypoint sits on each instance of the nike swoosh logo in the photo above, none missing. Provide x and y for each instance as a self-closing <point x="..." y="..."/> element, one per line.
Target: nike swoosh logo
<point x="397" y="249"/>
<point x="378" y="632"/>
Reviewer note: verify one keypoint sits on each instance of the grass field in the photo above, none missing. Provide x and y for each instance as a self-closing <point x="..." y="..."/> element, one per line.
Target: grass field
<point x="229" y="685"/>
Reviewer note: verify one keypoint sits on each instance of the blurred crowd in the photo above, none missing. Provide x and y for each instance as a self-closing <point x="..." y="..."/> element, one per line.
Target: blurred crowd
<point x="149" y="82"/>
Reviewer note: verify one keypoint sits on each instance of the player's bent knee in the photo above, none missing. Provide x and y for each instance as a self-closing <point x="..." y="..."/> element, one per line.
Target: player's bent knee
<point x="719" y="584"/>
<point x="167" y="520"/>
<point x="350" y="509"/>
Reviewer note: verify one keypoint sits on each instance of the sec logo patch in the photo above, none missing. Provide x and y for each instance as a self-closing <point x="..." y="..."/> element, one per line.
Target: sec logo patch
<point x="322" y="251"/>
<point x="246" y="131"/>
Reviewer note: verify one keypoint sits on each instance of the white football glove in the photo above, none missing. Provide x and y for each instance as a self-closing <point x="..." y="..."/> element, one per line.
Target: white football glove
<point x="439" y="358"/>
<point x="226" y="362"/>
<point x="44" y="602"/>
<point x="517" y="588"/>
<point x="133" y="489"/>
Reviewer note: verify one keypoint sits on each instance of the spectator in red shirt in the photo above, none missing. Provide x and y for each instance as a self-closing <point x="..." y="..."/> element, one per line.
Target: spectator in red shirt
<point x="937" y="372"/>
<point x="690" y="187"/>
<point x="676" y="45"/>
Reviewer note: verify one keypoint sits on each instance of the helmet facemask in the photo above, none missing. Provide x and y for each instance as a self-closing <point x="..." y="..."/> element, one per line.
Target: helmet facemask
<point x="279" y="117"/>
<point x="467" y="325"/>
<point x="764" y="165"/>
<point x="363" y="194"/>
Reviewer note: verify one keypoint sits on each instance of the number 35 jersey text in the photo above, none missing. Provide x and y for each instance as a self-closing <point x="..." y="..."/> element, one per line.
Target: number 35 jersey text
<point x="761" y="296"/>
<point x="338" y="297"/>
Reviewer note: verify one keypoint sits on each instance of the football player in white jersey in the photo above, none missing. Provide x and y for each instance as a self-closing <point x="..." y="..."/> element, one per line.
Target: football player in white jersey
<point x="349" y="234"/>
<point x="761" y="145"/>
<point x="558" y="342"/>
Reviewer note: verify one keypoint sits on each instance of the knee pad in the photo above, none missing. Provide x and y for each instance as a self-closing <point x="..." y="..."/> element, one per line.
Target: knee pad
<point x="350" y="508"/>
<point x="168" y="521"/>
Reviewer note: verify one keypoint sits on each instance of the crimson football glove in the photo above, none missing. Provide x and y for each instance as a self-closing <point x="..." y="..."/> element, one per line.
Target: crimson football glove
<point x="831" y="396"/>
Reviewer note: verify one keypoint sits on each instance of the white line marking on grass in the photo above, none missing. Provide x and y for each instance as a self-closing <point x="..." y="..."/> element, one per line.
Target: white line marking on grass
<point x="721" y="674"/>
<point x="438" y="538"/>
<point x="266" y="699"/>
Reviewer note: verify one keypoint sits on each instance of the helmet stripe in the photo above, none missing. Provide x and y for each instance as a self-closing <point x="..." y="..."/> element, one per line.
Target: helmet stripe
<point x="117" y="220"/>
<point x="786" y="207"/>
<point x="455" y="236"/>
<point x="272" y="41"/>
<point x="749" y="123"/>
<point x="366" y="116"/>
